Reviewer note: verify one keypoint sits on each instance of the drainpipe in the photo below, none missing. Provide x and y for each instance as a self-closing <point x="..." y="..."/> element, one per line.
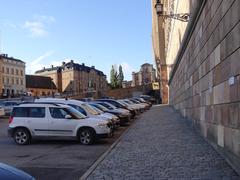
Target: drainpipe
<point x="197" y="10"/>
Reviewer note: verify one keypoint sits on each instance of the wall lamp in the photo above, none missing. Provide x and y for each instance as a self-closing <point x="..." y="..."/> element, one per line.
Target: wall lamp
<point x="181" y="17"/>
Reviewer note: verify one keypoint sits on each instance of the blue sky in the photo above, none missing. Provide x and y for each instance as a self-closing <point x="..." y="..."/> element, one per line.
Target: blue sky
<point x="94" y="32"/>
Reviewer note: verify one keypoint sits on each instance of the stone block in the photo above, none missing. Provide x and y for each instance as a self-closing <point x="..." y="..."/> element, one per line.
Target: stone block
<point x="203" y="128"/>
<point x="218" y="92"/>
<point x="232" y="140"/>
<point x="217" y="55"/>
<point x="220" y="137"/>
<point x="225" y="115"/>
<point x="228" y="139"/>
<point x="231" y="17"/>
<point x="236" y="141"/>
<point x="212" y="133"/>
<point x="217" y="114"/>
<point x="209" y="114"/>
<point x="231" y="42"/>
<point x="234" y="115"/>
<point x="235" y="63"/>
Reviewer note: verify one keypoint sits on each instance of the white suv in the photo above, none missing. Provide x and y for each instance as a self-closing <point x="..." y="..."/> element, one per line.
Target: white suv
<point x="54" y="120"/>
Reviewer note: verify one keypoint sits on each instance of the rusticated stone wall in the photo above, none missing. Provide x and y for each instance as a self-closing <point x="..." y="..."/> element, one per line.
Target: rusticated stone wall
<point x="206" y="85"/>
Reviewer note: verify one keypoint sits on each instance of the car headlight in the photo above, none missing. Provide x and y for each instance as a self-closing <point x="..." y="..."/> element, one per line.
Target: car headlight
<point x="102" y="125"/>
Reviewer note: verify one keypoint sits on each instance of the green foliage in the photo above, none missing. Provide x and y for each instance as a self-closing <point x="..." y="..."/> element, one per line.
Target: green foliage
<point x="116" y="77"/>
<point x="113" y="77"/>
<point x="120" y="76"/>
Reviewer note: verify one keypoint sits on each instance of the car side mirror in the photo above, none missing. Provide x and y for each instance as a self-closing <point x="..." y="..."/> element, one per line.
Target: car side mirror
<point x="68" y="116"/>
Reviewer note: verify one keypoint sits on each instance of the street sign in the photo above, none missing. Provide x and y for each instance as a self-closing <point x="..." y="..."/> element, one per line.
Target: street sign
<point x="155" y="86"/>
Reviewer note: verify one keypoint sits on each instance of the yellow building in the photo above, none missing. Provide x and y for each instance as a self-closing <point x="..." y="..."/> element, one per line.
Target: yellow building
<point x="13" y="76"/>
<point x="167" y="35"/>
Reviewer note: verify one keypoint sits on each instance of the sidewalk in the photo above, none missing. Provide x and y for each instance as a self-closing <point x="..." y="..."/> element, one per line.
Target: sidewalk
<point x="161" y="145"/>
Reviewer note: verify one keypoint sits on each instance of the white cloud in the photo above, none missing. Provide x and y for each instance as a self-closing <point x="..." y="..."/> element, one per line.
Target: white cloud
<point x="40" y="62"/>
<point x="127" y="70"/>
<point x="37" y="27"/>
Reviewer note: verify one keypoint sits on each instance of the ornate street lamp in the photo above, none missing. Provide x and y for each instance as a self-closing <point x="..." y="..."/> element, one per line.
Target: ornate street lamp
<point x="181" y="17"/>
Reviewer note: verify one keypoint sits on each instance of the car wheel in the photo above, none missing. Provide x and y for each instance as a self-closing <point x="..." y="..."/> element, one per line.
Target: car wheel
<point x="86" y="136"/>
<point x="22" y="136"/>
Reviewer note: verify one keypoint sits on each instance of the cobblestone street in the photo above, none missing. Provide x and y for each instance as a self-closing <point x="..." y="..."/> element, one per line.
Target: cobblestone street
<point x="161" y="145"/>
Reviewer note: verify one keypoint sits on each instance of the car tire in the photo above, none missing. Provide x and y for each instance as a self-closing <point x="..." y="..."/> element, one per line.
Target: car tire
<point x="22" y="136"/>
<point x="86" y="136"/>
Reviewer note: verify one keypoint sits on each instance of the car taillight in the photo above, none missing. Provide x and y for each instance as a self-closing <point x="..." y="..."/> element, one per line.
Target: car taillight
<point x="10" y="120"/>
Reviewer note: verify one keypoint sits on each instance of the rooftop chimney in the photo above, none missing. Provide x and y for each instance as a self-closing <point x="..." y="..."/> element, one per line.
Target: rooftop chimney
<point x="72" y="61"/>
<point x="93" y="67"/>
<point x="63" y="63"/>
<point x="83" y="64"/>
<point x="52" y="66"/>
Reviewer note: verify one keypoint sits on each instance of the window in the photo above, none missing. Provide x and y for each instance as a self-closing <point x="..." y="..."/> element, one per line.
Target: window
<point x="20" y="112"/>
<point x="21" y="72"/>
<point x="7" y="70"/>
<point x="12" y="71"/>
<point x="90" y="109"/>
<point x="16" y="71"/>
<point x="12" y="80"/>
<point x="21" y="82"/>
<point x="2" y="69"/>
<point x="17" y="80"/>
<point x="80" y="109"/>
<point x="37" y="112"/>
<point x="58" y="113"/>
<point x="7" y="80"/>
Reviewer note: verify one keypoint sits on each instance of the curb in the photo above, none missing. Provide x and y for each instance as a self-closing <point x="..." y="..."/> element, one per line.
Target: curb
<point x="103" y="156"/>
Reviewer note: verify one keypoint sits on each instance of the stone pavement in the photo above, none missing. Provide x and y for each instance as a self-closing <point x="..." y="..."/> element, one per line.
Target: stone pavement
<point x="162" y="145"/>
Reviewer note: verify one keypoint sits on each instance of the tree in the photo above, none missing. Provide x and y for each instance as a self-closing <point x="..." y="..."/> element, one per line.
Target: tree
<point x="113" y="77"/>
<point x="120" y="76"/>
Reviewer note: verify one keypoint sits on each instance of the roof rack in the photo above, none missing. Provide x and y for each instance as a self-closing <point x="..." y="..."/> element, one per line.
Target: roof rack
<point x="51" y="103"/>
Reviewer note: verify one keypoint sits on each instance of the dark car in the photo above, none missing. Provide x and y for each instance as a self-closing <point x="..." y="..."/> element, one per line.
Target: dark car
<point x="109" y="108"/>
<point x="118" y="105"/>
<point x="10" y="173"/>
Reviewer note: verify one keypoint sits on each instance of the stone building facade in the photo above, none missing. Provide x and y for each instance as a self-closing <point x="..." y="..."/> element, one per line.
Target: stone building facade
<point x="167" y="35"/>
<point x="146" y="75"/>
<point x="204" y="83"/>
<point x="77" y="79"/>
<point x="12" y="76"/>
<point x="38" y="86"/>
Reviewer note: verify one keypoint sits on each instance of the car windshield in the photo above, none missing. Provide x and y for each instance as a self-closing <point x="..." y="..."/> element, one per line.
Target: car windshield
<point x="76" y="113"/>
<point x="105" y="105"/>
<point x="122" y="104"/>
<point x="104" y="109"/>
<point x="128" y="102"/>
<point x="89" y="109"/>
<point x="97" y="109"/>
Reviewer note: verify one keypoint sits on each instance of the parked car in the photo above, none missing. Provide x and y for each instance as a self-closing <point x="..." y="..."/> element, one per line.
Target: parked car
<point x="115" y="119"/>
<point x="50" y="120"/>
<point x="80" y="106"/>
<point x="8" y="106"/>
<point x="138" y="107"/>
<point x="11" y="173"/>
<point x="148" y="98"/>
<point x="119" y="105"/>
<point x="123" y="114"/>
<point x="146" y="106"/>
